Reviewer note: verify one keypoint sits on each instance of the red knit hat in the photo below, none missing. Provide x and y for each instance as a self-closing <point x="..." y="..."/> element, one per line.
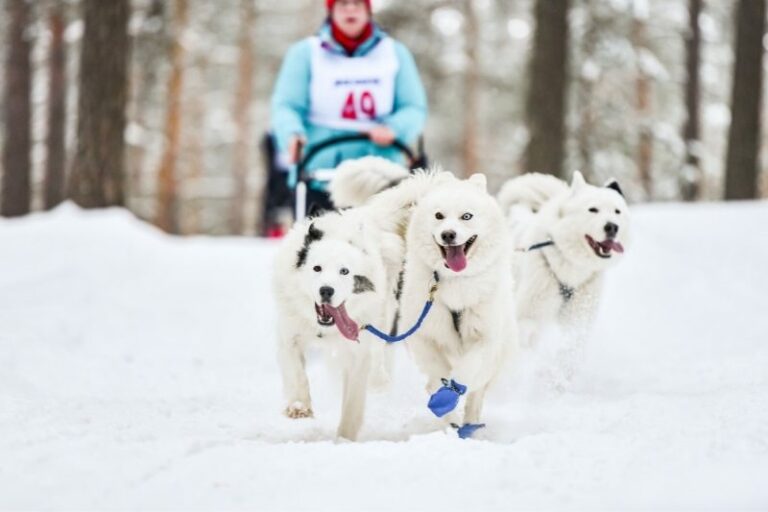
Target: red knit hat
<point x="329" y="4"/>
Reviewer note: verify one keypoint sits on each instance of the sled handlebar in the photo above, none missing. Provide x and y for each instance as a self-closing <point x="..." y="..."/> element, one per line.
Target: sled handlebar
<point x="341" y="139"/>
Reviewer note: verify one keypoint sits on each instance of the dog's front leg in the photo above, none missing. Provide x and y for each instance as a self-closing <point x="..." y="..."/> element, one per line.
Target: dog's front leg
<point x="354" y="393"/>
<point x="295" y="383"/>
<point x="474" y="406"/>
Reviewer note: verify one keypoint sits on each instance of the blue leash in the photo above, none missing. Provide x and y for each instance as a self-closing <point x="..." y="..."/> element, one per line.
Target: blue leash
<point x="400" y="337"/>
<point x="540" y="245"/>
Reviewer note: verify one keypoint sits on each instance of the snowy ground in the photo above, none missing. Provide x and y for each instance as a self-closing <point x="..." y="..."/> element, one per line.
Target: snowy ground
<point x="138" y="371"/>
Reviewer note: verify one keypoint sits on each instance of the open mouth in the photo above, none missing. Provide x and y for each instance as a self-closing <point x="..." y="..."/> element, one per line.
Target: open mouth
<point x="455" y="256"/>
<point x="605" y="248"/>
<point x="328" y="315"/>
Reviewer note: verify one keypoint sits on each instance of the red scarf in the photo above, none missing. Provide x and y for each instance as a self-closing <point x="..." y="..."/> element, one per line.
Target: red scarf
<point x="351" y="44"/>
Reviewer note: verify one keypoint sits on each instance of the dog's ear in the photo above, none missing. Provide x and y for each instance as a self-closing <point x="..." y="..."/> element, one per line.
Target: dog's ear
<point x="478" y="179"/>
<point x="613" y="184"/>
<point x="313" y="235"/>
<point x="577" y="181"/>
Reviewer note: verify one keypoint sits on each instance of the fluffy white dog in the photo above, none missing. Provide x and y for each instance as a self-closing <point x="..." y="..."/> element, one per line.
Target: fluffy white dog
<point x="330" y="278"/>
<point x="456" y="237"/>
<point x="569" y="235"/>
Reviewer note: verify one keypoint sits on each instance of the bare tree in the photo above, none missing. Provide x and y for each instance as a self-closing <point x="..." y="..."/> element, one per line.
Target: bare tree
<point x="17" y="112"/>
<point x="149" y="50"/>
<point x="546" y="94"/>
<point x="471" y="91"/>
<point x="643" y="104"/>
<point x="167" y="193"/>
<point x="98" y="172"/>
<point x="57" y="110"/>
<point x="692" y="175"/>
<point x="741" y="167"/>
<point x="243" y="100"/>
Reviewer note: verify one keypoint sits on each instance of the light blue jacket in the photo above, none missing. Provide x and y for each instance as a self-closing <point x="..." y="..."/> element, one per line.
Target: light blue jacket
<point x="291" y="96"/>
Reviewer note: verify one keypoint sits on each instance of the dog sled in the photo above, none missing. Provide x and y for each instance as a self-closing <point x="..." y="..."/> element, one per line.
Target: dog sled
<point x="293" y="192"/>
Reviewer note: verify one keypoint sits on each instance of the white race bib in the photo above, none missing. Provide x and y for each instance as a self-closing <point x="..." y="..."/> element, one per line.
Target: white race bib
<point x="351" y="93"/>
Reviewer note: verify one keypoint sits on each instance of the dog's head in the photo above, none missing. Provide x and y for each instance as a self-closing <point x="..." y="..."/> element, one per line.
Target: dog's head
<point x="592" y="223"/>
<point x="337" y="276"/>
<point x="454" y="226"/>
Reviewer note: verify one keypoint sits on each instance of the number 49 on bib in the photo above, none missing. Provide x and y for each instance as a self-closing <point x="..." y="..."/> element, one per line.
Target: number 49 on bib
<point x="365" y="105"/>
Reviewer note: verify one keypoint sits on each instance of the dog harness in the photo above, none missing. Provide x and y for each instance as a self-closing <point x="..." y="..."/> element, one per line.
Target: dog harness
<point x="424" y="312"/>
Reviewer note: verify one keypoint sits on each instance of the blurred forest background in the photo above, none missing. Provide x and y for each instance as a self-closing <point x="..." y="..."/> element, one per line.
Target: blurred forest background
<point x="161" y="105"/>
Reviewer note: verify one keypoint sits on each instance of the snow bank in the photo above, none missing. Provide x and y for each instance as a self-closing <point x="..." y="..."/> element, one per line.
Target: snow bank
<point x="137" y="370"/>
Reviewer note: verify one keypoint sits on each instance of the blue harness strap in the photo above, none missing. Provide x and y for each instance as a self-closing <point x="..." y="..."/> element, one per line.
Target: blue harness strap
<point x="540" y="245"/>
<point x="409" y="332"/>
<point x="406" y="334"/>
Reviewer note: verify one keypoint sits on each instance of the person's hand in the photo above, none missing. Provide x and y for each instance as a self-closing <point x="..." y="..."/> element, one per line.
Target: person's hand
<point x="381" y="135"/>
<point x="294" y="148"/>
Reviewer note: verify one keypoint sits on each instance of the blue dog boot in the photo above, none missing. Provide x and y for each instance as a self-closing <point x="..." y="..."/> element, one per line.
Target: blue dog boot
<point x="445" y="399"/>
<point x="466" y="430"/>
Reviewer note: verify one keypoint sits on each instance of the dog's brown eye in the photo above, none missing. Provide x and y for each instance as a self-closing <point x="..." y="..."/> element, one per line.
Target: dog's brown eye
<point x="317" y="268"/>
<point x="594" y="210"/>
<point x="344" y="271"/>
<point x="439" y="216"/>
<point x="466" y="216"/>
<point x="618" y="212"/>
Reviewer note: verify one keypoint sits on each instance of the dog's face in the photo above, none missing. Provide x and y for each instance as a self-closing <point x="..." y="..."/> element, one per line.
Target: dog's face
<point x="455" y="227"/>
<point x="592" y="224"/>
<point x="333" y="278"/>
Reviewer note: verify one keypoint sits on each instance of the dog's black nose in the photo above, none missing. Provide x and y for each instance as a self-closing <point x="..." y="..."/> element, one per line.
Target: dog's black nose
<point x="611" y="229"/>
<point x="449" y="236"/>
<point x="326" y="292"/>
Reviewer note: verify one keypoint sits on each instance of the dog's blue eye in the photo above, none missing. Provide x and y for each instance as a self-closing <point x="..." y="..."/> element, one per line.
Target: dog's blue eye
<point x="466" y="216"/>
<point x="344" y="271"/>
<point x="594" y="210"/>
<point x="317" y="268"/>
<point x="439" y="216"/>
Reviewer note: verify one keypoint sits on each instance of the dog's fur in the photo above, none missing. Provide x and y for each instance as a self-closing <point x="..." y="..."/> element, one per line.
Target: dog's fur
<point x="560" y="284"/>
<point x="342" y="251"/>
<point x="470" y="327"/>
<point x="355" y="181"/>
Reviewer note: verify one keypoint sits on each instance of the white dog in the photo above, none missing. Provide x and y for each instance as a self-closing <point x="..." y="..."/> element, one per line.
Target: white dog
<point x="570" y="235"/>
<point x="330" y="279"/>
<point x="457" y="237"/>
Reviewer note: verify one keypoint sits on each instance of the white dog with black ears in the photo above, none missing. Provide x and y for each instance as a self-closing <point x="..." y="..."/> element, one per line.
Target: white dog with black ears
<point x="331" y="278"/>
<point x="566" y="236"/>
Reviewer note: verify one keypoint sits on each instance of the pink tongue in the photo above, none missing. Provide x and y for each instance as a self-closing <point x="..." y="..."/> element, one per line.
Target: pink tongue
<point x="347" y="327"/>
<point x="616" y="246"/>
<point x="455" y="258"/>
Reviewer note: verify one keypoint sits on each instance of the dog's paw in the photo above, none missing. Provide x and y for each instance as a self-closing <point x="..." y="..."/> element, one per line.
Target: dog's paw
<point x="298" y="410"/>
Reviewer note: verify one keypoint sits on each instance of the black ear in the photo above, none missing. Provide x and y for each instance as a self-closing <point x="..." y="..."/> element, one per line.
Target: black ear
<point x="313" y="235"/>
<point x="615" y="186"/>
<point x="362" y="285"/>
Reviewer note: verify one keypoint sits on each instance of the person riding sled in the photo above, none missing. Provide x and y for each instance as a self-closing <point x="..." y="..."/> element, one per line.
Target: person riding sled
<point x="350" y="77"/>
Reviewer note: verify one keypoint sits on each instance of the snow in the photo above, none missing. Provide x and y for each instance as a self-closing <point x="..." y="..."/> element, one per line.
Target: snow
<point x="137" y="371"/>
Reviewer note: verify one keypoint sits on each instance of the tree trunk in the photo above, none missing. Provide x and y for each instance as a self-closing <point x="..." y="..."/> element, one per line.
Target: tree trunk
<point x="586" y="93"/>
<point x="18" y="113"/>
<point x="692" y="174"/>
<point x="98" y="172"/>
<point x="644" y="108"/>
<point x="469" y="153"/>
<point x="741" y="170"/>
<point x="546" y="95"/>
<point x="57" y="105"/>
<point x="243" y="99"/>
<point x="149" y="49"/>
<point x="167" y="194"/>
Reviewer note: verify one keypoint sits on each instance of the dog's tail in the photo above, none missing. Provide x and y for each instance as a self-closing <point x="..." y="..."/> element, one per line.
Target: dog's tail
<point x="392" y="206"/>
<point x="355" y="181"/>
<point x="524" y="195"/>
